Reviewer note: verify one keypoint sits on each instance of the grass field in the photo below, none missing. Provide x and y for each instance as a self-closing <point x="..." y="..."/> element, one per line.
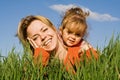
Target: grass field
<point x="107" y="67"/>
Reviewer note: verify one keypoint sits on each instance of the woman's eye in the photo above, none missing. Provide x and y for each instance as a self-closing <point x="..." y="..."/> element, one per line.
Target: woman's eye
<point x="35" y="38"/>
<point x="45" y="29"/>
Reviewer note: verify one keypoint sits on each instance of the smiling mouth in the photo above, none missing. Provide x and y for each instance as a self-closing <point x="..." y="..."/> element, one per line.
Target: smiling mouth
<point x="45" y="43"/>
<point x="71" y="41"/>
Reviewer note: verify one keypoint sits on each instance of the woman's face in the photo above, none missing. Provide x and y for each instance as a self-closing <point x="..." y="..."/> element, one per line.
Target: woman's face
<point x="42" y="35"/>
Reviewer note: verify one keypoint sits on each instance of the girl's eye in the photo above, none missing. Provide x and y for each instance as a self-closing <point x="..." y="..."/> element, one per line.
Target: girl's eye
<point x="77" y="34"/>
<point x="69" y="32"/>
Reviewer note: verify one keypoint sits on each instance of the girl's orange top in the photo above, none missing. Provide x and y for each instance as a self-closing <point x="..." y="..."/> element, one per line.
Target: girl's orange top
<point x="40" y="55"/>
<point x="74" y="55"/>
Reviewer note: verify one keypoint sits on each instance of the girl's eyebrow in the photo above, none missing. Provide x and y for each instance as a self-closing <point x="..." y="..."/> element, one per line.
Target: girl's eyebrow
<point x="70" y="30"/>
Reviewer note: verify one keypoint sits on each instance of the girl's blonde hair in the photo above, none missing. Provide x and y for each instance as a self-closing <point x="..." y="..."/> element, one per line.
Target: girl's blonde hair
<point x="75" y="16"/>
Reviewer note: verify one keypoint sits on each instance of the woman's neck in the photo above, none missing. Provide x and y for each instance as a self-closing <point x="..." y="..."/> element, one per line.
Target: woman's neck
<point x="60" y="51"/>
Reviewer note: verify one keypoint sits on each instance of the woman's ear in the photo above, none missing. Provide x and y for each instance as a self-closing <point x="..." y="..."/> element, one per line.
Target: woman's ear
<point x="33" y="44"/>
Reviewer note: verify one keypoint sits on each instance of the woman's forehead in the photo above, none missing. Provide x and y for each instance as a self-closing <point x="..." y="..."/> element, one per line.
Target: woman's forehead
<point x="34" y="26"/>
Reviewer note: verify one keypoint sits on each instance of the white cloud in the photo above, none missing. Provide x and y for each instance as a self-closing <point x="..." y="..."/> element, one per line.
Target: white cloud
<point x="61" y="8"/>
<point x="93" y="15"/>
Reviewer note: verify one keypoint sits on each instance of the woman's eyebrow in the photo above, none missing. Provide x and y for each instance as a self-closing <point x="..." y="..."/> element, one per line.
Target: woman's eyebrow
<point x="37" y="34"/>
<point x="34" y="35"/>
<point x="42" y="28"/>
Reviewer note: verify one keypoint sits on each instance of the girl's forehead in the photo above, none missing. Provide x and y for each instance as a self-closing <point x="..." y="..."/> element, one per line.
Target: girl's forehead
<point x="73" y="27"/>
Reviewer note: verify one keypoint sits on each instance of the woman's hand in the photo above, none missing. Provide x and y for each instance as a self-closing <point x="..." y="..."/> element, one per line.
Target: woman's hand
<point x="34" y="45"/>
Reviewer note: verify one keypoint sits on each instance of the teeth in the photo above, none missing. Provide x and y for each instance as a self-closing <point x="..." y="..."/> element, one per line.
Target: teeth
<point x="71" y="40"/>
<point x="46" y="42"/>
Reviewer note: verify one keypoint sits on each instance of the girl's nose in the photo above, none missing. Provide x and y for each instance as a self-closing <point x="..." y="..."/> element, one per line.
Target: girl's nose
<point x="73" y="36"/>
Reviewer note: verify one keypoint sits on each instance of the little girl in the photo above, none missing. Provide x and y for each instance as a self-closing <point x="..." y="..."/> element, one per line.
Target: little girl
<point x="73" y="30"/>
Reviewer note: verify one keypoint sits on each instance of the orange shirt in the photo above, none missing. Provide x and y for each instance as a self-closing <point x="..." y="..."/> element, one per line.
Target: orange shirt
<point x="71" y="58"/>
<point x="40" y="55"/>
<point x="74" y="55"/>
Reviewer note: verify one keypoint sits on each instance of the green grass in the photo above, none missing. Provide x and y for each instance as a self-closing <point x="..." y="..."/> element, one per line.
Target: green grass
<point x="107" y="67"/>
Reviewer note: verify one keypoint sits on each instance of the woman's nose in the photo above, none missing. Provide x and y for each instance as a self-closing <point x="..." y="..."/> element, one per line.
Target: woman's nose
<point x="43" y="36"/>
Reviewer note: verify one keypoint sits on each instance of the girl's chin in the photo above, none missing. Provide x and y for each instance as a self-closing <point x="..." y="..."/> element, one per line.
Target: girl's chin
<point x="69" y="44"/>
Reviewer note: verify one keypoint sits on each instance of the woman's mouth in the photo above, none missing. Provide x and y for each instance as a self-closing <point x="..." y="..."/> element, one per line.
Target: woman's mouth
<point x="47" y="42"/>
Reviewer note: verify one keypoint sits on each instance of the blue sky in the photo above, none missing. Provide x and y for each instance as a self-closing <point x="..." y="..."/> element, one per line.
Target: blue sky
<point x="104" y="19"/>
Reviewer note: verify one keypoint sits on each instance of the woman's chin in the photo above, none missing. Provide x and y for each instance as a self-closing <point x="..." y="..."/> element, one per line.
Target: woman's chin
<point x="50" y="48"/>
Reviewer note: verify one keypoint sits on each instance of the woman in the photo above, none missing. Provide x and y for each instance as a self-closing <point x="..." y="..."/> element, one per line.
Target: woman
<point x="42" y="36"/>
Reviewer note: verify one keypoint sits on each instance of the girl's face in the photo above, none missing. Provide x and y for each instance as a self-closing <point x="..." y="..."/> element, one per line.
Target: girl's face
<point x="42" y="35"/>
<point x="70" y="38"/>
